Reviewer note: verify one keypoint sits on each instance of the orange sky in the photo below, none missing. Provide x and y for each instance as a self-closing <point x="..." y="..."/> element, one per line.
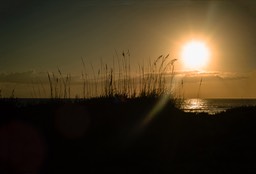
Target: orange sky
<point x="37" y="37"/>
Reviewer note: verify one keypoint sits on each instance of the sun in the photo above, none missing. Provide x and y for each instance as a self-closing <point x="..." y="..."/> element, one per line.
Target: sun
<point x="195" y="55"/>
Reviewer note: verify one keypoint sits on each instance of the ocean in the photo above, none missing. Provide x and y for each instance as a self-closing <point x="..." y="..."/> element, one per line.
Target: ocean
<point x="213" y="106"/>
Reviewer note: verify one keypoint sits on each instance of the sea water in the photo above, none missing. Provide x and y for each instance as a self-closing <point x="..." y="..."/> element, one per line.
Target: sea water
<point x="213" y="106"/>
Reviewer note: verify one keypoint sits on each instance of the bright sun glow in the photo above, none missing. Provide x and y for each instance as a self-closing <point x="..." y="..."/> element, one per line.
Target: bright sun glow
<point x="195" y="55"/>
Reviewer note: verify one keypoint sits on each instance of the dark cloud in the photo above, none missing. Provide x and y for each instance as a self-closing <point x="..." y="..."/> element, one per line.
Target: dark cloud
<point x="33" y="77"/>
<point x="22" y="77"/>
<point x="195" y="76"/>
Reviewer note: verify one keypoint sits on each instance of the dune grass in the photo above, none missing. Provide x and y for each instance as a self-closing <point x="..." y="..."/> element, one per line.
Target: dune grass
<point x="59" y="85"/>
<point x="118" y="80"/>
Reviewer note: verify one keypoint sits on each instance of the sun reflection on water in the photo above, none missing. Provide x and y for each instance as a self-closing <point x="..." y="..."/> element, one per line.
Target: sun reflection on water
<point x="195" y="105"/>
<point x="213" y="106"/>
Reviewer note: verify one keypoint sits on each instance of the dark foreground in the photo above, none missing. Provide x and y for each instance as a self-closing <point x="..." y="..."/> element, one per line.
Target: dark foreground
<point x="110" y="135"/>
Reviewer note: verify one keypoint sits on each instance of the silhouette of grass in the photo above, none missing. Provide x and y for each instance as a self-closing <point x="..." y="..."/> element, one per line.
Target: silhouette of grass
<point x="118" y="80"/>
<point x="123" y="84"/>
<point x="59" y="85"/>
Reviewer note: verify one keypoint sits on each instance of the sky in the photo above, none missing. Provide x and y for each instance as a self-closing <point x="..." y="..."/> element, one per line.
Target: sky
<point x="43" y="36"/>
